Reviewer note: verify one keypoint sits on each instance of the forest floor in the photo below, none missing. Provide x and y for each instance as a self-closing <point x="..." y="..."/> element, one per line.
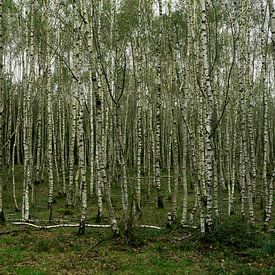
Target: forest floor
<point x="233" y="248"/>
<point x="62" y="251"/>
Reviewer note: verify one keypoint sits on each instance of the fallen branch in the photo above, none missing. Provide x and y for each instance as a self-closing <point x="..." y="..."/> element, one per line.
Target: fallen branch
<point x="43" y="221"/>
<point x="151" y="226"/>
<point x="77" y="225"/>
<point x="189" y="226"/>
<point x="98" y="225"/>
<point x="190" y="236"/>
<point x="61" y="225"/>
<point x="185" y="238"/>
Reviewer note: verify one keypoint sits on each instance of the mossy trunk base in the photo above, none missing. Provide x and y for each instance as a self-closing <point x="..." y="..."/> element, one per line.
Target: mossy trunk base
<point x="98" y="217"/>
<point x="81" y="230"/>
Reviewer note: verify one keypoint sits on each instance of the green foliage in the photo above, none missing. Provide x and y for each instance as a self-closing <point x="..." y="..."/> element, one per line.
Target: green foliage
<point x="215" y="13"/>
<point x="180" y="23"/>
<point x="269" y="246"/>
<point x="9" y="7"/>
<point x="128" y="18"/>
<point x="134" y="239"/>
<point x="234" y="233"/>
<point x="146" y="252"/>
<point x="187" y="245"/>
<point x="11" y="255"/>
<point x="42" y="245"/>
<point x="65" y="211"/>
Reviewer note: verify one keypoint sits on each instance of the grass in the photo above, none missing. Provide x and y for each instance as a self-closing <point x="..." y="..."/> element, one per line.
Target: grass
<point x="232" y="248"/>
<point x="165" y="252"/>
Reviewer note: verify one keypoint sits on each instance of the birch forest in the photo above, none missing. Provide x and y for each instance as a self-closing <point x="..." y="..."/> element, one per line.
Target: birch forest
<point x="137" y="114"/>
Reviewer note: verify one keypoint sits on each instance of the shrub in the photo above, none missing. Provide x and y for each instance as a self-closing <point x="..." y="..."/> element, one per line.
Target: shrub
<point x="234" y="233"/>
<point x="269" y="246"/>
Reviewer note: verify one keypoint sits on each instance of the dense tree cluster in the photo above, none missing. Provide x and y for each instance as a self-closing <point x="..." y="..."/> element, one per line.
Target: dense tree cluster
<point x="165" y="96"/>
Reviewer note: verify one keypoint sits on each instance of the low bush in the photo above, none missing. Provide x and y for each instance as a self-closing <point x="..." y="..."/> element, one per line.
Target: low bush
<point x="234" y="233"/>
<point x="269" y="246"/>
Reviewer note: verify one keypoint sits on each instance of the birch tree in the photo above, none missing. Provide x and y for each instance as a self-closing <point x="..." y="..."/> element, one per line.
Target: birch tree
<point x="2" y="216"/>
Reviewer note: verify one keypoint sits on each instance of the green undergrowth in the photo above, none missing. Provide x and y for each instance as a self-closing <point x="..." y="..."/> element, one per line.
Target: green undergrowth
<point x="234" y="233"/>
<point x="143" y="251"/>
<point x="232" y="247"/>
